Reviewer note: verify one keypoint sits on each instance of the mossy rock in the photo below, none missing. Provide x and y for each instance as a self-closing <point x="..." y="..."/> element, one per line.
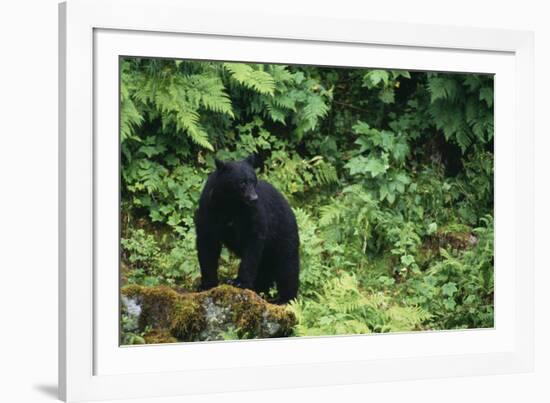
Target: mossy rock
<point x="166" y="315"/>
<point x="457" y="237"/>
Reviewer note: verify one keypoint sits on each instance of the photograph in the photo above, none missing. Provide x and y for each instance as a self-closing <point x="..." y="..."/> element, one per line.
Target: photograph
<point x="261" y="200"/>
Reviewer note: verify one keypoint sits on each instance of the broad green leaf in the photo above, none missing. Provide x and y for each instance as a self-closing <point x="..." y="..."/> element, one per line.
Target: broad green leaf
<point x="407" y="260"/>
<point x="357" y="165"/>
<point x="375" y="167"/>
<point x="375" y="77"/>
<point x="387" y="95"/>
<point x="449" y="289"/>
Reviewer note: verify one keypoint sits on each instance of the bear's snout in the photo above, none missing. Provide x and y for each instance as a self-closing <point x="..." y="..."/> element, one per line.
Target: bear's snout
<point x="251" y="197"/>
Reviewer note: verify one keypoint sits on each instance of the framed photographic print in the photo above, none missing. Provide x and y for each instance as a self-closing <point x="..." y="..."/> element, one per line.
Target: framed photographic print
<point x="245" y="208"/>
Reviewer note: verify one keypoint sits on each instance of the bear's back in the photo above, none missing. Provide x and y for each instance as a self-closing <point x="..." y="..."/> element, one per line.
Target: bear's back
<point x="276" y="209"/>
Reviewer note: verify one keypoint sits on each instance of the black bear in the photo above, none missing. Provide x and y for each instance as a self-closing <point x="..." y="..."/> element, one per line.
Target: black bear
<point x="252" y="219"/>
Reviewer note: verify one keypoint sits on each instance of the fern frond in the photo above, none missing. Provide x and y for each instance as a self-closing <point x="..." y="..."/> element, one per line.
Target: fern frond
<point x="407" y="318"/>
<point x="258" y="80"/>
<point x="207" y="91"/>
<point x="443" y="88"/>
<point x="175" y="103"/>
<point x="324" y="172"/>
<point x="314" y="110"/>
<point x="280" y="73"/>
<point x="329" y="214"/>
<point x="275" y="112"/>
<point x="130" y="118"/>
<point x="284" y="101"/>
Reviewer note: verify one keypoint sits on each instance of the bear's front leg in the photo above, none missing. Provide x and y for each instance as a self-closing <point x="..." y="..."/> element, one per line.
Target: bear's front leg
<point x="209" y="249"/>
<point x="248" y="269"/>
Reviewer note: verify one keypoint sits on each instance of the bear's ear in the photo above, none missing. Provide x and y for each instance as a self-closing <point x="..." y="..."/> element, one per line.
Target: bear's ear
<point x="220" y="165"/>
<point x="253" y="160"/>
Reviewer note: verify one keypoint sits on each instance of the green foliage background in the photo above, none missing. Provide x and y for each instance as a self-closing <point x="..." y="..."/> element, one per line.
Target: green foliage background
<point x="390" y="174"/>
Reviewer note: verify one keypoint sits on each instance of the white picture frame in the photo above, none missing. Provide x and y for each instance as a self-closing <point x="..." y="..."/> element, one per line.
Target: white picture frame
<point x="94" y="33"/>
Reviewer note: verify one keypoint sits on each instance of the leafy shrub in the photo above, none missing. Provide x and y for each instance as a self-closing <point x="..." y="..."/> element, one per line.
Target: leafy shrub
<point x="340" y="307"/>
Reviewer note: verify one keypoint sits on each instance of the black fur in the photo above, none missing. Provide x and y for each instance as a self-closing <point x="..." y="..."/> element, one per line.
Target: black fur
<point x="252" y="219"/>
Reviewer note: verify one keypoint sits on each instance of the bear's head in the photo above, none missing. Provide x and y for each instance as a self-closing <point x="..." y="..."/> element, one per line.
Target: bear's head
<point x="237" y="181"/>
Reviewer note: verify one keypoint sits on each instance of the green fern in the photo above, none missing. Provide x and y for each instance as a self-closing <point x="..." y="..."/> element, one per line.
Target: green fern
<point x="443" y="88"/>
<point x="461" y="108"/>
<point x="330" y="214"/>
<point x="208" y="92"/>
<point x="324" y="172"/>
<point x="314" y="110"/>
<point x="130" y="118"/>
<point x="341" y="307"/>
<point x="247" y="76"/>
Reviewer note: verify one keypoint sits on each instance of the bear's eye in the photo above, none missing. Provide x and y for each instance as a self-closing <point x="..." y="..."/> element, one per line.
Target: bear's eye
<point x="242" y="183"/>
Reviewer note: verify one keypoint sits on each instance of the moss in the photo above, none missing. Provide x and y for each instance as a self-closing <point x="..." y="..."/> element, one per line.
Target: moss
<point x="157" y="304"/>
<point x="188" y="319"/>
<point x="252" y="314"/>
<point x="208" y="315"/>
<point x="455" y="236"/>
<point x="159" y="336"/>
